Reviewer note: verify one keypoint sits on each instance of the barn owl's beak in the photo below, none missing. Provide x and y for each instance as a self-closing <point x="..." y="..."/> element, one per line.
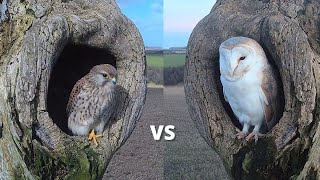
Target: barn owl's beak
<point x="232" y="68"/>
<point x="114" y="81"/>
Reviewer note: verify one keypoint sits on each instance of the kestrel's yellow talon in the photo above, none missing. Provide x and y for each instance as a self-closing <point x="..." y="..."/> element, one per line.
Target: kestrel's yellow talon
<point x="94" y="137"/>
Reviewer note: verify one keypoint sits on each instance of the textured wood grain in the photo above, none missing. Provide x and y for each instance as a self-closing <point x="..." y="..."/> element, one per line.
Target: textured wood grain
<point x="33" y="35"/>
<point x="289" y="32"/>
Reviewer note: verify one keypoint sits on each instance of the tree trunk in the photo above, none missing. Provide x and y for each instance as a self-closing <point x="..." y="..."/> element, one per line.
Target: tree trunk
<point x="45" y="47"/>
<point x="289" y="32"/>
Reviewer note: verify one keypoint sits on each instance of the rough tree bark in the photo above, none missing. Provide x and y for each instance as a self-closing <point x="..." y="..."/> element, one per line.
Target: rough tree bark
<point x="289" y="32"/>
<point x="34" y="141"/>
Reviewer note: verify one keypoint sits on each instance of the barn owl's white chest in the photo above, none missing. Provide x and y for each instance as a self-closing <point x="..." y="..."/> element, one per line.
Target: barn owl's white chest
<point x="243" y="97"/>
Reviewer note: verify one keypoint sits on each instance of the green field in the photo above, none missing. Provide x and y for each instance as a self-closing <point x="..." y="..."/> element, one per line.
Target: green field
<point x="166" y="60"/>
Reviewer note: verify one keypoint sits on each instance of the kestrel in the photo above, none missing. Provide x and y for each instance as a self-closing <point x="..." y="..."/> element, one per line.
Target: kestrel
<point x="92" y="102"/>
<point x="249" y="85"/>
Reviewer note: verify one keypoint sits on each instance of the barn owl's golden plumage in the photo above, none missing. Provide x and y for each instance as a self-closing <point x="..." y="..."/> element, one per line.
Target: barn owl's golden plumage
<point x="249" y="85"/>
<point x="92" y="101"/>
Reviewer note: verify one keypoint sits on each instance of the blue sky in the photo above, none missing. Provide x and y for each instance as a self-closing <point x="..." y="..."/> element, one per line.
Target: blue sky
<point x="165" y="23"/>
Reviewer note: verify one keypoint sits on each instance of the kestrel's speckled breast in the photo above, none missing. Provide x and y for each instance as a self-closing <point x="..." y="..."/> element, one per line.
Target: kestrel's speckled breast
<point x="91" y="107"/>
<point x="107" y="102"/>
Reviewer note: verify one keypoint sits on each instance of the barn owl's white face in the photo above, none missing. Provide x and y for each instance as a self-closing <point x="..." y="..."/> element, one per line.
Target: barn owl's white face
<point x="237" y="59"/>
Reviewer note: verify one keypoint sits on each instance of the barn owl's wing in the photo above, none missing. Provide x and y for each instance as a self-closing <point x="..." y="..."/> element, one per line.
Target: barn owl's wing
<point x="77" y="88"/>
<point x="269" y="97"/>
<point x="225" y="97"/>
<point x="223" y="88"/>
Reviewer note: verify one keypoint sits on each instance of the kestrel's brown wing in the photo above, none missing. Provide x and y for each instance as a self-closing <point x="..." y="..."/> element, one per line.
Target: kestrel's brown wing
<point x="270" y="97"/>
<point x="74" y="93"/>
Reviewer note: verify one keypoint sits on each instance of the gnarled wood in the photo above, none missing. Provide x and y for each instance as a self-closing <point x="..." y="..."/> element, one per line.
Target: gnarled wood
<point x="32" y="36"/>
<point x="289" y="32"/>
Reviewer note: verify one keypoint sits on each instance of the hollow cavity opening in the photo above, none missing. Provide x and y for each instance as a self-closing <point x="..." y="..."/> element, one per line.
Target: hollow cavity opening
<point x="74" y="62"/>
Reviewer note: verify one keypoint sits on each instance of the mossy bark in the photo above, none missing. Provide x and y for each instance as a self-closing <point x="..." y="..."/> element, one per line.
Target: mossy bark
<point x="289" y="32"/>
<point x="32" y="36"/>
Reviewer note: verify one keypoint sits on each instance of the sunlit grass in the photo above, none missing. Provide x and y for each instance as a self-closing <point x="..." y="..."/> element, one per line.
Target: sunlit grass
<point x="167" y="60"/>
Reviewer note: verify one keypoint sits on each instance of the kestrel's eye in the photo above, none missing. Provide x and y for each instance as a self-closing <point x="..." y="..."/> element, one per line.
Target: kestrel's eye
<point x="242" y="58"/>
<point x="105" y="75"/>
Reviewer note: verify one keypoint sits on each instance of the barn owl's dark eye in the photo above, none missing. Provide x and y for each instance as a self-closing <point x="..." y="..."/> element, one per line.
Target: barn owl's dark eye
<point x="242" y="58"/>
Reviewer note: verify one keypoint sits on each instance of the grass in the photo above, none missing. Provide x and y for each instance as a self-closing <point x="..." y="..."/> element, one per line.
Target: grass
<point x="155" y="60"/>
<point x="174" y="60"/>
<point x="167" y="60"/>
<point x="191" y="159"/>
<point x="188" y="156"/>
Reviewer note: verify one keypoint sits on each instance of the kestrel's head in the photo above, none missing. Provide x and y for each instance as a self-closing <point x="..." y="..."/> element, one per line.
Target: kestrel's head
<point x="238" y="55"/>
<point x="102" y="74"/>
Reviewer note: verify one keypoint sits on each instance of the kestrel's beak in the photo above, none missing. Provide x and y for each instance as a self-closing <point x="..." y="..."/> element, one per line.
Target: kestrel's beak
<point x="114" y="81"/>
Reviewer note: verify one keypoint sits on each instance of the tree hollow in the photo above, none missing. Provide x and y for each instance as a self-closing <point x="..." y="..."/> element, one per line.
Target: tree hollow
<point x="74" y="62"/>
<point x="288" y="32"/>
<point x="53" y="45"/>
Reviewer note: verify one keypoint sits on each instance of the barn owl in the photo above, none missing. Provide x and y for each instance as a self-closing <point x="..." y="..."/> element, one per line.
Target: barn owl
<point x="249" y="85"/>
<point x="92" y="102"/>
